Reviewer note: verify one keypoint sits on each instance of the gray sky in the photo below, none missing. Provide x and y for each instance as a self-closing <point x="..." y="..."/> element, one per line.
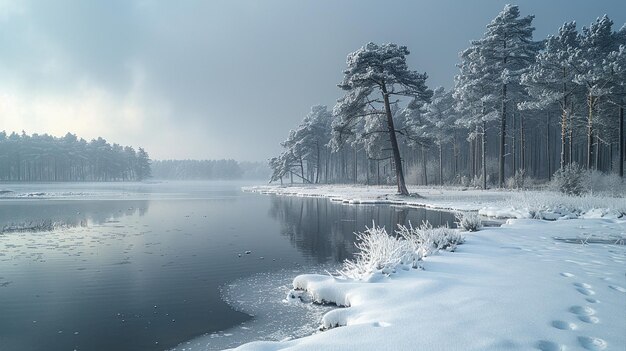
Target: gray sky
<point x="221" y="79"/>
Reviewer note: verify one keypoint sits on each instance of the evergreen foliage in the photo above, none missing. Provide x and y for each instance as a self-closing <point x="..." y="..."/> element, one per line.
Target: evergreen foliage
<point x="519" y="109"/>
<point x="43" y="157"/>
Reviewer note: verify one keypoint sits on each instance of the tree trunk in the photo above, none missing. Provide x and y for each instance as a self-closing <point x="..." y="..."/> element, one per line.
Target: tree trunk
<point x="513" y="142"/>
<point x="440" y="165"/>
<point x="424" y="165"/>
<point x="302" y="170"/>
<point x="472" y="158"/>
<point x="502" y="137"/>
<point x="318" y="171"/>
<point x="484" y="144"/>
<point x="571" y="145"/>
<point x="355" y="166"/>
<point x="455" y="150"/>
<point x="621" y="141"/>
<point x="522" y="140"/>
<point x="590" y="102"/>
<point x="394" y="145"/>
<point x="597" y="153"/>
<point x="327" y="164"/>
<point x="563" y="123"/>
<point x="548" y="151"/>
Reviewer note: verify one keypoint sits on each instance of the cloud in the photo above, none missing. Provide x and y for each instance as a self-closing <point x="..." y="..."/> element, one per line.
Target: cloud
<point x="213" y="79"/>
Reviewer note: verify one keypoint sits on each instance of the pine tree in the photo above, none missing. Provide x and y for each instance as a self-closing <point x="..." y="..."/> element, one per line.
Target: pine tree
<point x="376" y="72"/>
<point x="476" y="98"/>
<point x="507" y="50"/>
<point x="596" y="42"/>
<point x="441" y="115"/>
<point x="551" y="79"/>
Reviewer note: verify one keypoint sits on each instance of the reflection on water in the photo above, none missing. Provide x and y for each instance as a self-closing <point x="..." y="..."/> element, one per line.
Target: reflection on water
<point x="143" y="270"/>
<point x="34" y="216"/>
<point x="325" y="229"/>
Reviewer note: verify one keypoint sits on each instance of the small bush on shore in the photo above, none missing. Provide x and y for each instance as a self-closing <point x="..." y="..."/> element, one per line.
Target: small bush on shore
<point x="572" y="180"/>
<point x="469" y="221"/>
<point x="382" y="253"/>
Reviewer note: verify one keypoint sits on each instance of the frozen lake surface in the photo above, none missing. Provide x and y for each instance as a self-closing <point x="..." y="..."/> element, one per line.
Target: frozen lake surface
<point x="152" y="266"/>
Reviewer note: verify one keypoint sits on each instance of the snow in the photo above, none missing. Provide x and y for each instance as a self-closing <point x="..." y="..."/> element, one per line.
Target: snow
<point x="513" y="288"/>
<point x="494" y="203"/>
<point x="529" y="284"/>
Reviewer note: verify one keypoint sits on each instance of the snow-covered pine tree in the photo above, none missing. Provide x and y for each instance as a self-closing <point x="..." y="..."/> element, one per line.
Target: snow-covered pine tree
<point x="550" y="81"/>
<point x="375" y="72"/>
<point x="507" y="49"/>
<point x="475" y="98"/>
<point x="418" y="131"/>
<point x="441" y="114"/>
<point x="615" y="67"/>
<point x="305" y="143"/>
<point x="596" y="43"/>
<point x="313" y="135"/>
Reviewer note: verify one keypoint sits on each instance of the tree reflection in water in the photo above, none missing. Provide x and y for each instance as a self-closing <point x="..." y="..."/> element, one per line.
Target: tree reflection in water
<point x="324" y="230"/>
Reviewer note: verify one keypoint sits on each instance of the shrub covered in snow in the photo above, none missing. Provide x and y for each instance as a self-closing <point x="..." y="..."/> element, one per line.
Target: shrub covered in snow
<point x="470" y="221"/>
<point x="425" y="239"/>
<point x="572" y="179"/>
<point x="607" y="184"/>
<point x="378" y="251"/>
<point x="517" y="181"/>
<point x="384" y="253"/>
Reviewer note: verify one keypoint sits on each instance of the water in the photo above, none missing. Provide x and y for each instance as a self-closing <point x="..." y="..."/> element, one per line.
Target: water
<point x="144" y="266"/>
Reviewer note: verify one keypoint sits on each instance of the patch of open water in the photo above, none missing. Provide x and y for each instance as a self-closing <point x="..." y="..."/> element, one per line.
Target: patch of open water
<point x="151" y="266"/>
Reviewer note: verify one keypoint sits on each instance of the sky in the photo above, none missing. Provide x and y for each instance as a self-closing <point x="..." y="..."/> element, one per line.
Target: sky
<point x="222" y="78"/>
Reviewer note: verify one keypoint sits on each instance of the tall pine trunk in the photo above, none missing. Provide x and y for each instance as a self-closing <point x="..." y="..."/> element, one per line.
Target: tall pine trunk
<point x="424" y="165"/>
<point x="484" y="147"/>
<point x="394" y="145"/>
<point x="522" y="149"/>
<point x="590" y="102"/>
<point x="502" y="137"/>
<point x="563" y="123"/>
<point x="355" y="166"/>
<point x="440" y="165"/>
<point x="621" y="141"/>
<point x="548" y="150"/>
<point x="513" y="143"/>
<point x="318" y="171"/>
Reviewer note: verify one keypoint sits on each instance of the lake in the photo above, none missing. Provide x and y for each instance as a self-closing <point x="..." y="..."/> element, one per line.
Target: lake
<point x="148" y="266"/>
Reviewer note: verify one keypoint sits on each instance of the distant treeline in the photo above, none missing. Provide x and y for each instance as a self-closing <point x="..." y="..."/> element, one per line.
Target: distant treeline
<point x="208" y="169"/>
<point x="44" y="157"/>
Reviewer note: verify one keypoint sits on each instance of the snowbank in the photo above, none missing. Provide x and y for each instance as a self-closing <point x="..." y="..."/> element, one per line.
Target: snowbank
<point x="529" y="284"/>
<point x="513" y="287"/>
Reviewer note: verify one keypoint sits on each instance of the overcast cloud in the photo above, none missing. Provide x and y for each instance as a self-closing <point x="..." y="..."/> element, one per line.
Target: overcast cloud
<point x="220" y="79"/>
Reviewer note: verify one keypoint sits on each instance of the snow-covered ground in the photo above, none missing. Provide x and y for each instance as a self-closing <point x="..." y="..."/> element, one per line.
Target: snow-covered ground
<point x="492" y="203"/>
<point x="530" y="284"/>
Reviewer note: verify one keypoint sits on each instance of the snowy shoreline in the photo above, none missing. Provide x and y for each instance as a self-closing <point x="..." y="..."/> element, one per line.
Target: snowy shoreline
<point x="489" y="203"/>
<point x="513" y="287"/>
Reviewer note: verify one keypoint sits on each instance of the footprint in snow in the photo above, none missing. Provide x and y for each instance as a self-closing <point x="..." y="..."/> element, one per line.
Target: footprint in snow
<point x="567" y="275"/>
<point x="589" y="319"/>
<point x="591" y="300"/>
<point x="582" y="310"/>
<point x="563" y="325"/>
<point x="583" y="285"/>
<point x="546" y="345"/>
<point x="586" y="292"/>
<point x="591" y="343"/>
<point x="617" y="288"/>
